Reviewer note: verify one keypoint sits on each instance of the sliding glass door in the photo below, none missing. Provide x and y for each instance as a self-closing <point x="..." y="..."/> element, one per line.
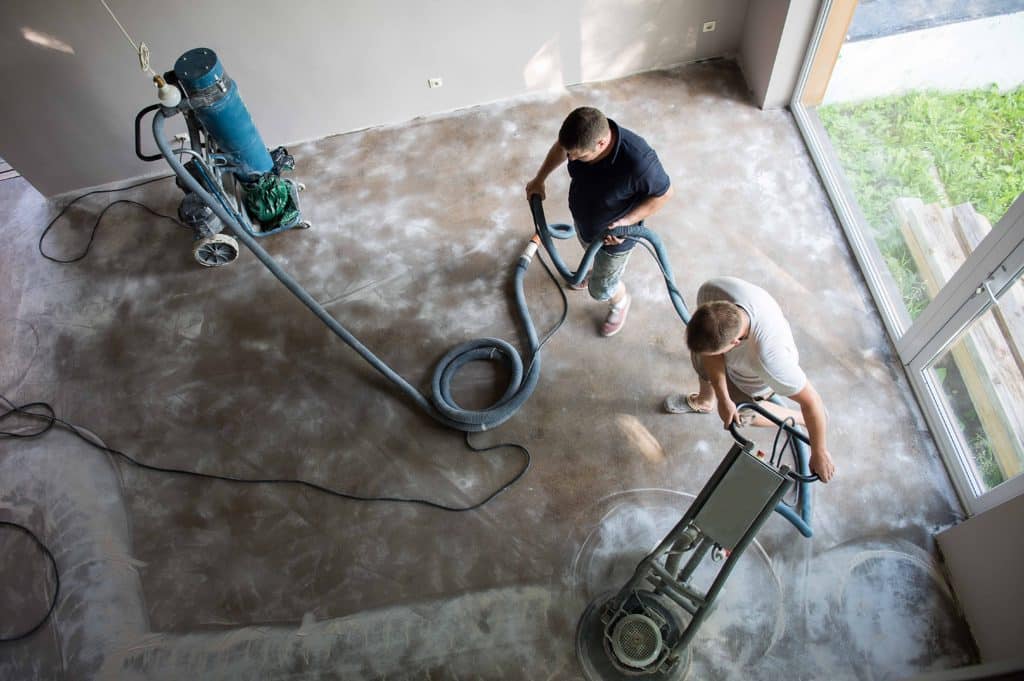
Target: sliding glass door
<point x="923" y="181"/>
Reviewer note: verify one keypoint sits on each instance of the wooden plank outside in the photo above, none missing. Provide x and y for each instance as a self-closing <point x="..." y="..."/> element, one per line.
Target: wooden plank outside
<point x="990" y="373"/>
<point x="971" y="227"/>
<point x="832" y="38"/>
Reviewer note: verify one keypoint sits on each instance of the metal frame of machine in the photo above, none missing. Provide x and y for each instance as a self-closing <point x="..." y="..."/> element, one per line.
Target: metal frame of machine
<point x="645" y="628"/>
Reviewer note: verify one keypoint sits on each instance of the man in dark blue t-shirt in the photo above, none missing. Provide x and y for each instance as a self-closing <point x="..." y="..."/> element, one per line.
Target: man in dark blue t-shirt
<point x="617" y="180"/>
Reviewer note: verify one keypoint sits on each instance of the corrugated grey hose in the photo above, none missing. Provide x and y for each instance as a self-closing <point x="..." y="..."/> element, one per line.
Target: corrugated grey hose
<point x="443" y="408"/>
<point x="635" y="232"/>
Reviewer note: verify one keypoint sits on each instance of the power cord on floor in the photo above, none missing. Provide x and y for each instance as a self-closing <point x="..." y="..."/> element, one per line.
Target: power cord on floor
<point x="42" y="411"/>
<point x="48" y="416"/>
<point x="96" y="223"/>
<point x="56" y="580"/>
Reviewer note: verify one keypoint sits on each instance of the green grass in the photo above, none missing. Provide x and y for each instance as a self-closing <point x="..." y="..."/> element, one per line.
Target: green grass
<point x="968" y="145"/>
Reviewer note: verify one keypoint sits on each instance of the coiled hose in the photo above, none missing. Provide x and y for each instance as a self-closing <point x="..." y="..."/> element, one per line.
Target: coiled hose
<point x="441" y="407"/>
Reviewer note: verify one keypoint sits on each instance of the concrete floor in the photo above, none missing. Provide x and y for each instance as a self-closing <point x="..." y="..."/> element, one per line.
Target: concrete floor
<point x="416" y="230"/>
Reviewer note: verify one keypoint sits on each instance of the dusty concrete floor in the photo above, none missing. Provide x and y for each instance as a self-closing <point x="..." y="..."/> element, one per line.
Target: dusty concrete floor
<point x="416" y="231"/>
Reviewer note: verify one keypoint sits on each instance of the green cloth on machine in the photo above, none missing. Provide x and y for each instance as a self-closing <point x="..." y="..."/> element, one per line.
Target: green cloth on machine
<point x="268" y="200"/>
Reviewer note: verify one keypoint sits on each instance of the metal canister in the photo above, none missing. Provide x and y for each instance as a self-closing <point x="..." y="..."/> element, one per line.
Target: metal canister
<point x="216" y="103"/>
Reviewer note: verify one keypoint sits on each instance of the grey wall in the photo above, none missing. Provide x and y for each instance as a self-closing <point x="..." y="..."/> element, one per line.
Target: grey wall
<point x="984" y="555"/>
<point x="314" y="68"/>
<point x="772" y="47"/>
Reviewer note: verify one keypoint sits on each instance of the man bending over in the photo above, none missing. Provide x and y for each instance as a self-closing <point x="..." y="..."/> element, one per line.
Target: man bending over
<point x="742" y="348"/>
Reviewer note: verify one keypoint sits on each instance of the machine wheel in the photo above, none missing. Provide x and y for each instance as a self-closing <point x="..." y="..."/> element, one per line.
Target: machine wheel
<point x="216" y="250"/>
<point x="299" y="186"/>
<point x="305" y="224"/>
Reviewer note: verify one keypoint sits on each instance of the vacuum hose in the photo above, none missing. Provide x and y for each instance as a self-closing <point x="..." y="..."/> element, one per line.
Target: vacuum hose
<point x="635" y="232"/>
<point x="443" y="408"/>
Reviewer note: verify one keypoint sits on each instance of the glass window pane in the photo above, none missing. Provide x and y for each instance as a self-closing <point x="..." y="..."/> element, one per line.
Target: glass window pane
<point x="930" y="146"/>
<point x="981" y="378"/>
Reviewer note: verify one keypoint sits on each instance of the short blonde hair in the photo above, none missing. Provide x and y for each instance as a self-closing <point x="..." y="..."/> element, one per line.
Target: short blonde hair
<point x="713" y="326"/>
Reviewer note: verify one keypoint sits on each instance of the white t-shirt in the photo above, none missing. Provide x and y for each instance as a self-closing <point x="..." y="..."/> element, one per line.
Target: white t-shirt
<point x="767" y="358"/>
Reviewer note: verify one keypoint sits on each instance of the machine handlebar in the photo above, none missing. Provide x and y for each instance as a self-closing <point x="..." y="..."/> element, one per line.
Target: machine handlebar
<point x="748" y="444"/>
<point x="138" y="135"/>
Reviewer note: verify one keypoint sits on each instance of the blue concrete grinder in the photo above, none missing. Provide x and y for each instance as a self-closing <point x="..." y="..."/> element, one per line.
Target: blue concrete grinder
<point x="226" y="156"/>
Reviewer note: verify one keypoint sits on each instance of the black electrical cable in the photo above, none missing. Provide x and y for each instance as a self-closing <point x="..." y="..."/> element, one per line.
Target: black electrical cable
<point x="788" y="442"/>
<point x="56" y="581"/>
<point x="50" y="419"/>
<point x="44" y="412"/>
<point x="96" y="224"/>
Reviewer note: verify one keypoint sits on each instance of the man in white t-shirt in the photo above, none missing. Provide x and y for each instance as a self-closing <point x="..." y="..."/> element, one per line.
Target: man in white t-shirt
<point x="741" y="345"/>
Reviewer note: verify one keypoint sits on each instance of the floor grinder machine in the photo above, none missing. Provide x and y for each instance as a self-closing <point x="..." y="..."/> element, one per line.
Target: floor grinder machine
<point x="227" y="156"/>
<point x="644" y="630"/>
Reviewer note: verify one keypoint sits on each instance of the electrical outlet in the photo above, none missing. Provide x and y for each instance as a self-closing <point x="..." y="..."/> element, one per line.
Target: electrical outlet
<point x="709" y="26"/>
<point x="434" y="82"/>
<point x="181" y="137"/>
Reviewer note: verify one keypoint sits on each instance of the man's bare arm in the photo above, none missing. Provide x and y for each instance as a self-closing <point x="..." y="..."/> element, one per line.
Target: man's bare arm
<point x="644" y="209"/>
<point x="714" y="365"/>
<point x="813" y="411"/>
<point x="556" y="157"/>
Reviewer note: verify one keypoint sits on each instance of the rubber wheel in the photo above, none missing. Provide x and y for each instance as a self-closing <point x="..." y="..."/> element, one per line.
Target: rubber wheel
<point x="216" y="250"/>
<point x="305" y="224"/>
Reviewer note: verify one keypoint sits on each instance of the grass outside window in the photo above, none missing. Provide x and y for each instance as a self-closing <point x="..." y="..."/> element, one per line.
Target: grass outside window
<point x="951" y="148"/>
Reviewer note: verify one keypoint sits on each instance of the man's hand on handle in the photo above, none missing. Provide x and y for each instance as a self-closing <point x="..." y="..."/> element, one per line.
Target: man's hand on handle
<point x="535" y="186"/>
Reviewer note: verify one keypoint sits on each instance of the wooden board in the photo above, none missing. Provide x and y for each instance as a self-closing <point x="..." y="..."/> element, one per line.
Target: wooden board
<point x="832" y="39"/>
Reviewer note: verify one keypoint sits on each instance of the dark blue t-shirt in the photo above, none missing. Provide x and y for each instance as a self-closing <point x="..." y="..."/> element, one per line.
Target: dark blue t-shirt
<point x="600" y="193"/>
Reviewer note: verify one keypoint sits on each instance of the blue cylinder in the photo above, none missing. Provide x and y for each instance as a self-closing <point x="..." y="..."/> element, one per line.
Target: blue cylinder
<point x="218" y="106"/>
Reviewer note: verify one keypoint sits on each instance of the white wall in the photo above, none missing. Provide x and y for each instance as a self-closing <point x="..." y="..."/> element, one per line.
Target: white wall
<point x="772" y="47"/>
<point x="312" y="68"/>
<point x="985" y="559"/>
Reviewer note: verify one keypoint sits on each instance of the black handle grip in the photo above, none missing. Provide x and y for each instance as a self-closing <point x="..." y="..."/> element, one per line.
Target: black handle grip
<point x="537" y="209"/>
<point x="138" y="134"/>
<point x="748" y="444"/>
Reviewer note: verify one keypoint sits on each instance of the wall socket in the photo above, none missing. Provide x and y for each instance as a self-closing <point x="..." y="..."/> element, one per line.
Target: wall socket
<point x="709" y="26"/>
<point x="434" y="82"/>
